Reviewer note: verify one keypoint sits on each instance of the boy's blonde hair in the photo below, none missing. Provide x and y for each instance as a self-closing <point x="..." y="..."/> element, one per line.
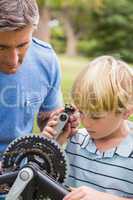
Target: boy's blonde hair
<point x="106" y="84"/>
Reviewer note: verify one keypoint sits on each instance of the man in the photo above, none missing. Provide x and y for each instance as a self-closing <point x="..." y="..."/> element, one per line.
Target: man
<point x="29" y="72"/>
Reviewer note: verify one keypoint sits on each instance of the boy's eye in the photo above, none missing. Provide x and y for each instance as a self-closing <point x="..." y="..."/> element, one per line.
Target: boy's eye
<point x="81" y="113"/>
<point x="95" y="117"/>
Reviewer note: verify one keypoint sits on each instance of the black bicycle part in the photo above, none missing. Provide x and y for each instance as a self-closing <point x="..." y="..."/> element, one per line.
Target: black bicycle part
<point x="46" y="158"/>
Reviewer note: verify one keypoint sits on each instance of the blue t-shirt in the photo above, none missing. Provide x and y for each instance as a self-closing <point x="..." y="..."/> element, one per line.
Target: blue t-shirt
<point x="36" y="85"/>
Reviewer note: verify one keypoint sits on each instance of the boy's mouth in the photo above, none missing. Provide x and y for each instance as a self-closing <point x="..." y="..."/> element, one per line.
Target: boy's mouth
<point x="91" y="131"/>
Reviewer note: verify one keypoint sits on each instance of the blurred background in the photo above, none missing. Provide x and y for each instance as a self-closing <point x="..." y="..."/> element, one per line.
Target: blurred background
<point x="82" y="29"/>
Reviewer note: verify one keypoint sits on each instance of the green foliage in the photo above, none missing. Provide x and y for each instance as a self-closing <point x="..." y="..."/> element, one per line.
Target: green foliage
<point x="85" y="47"/>
<point x="131" y="118"/>
<point x="112" y="27"/>
<point x="61" y="4"/>
<point x="71" y="66"/>
<point x="49" y="3"/>
<point x="58" y="39"/>
<point x="104" y="29"/>
<point x="58" y="45"/>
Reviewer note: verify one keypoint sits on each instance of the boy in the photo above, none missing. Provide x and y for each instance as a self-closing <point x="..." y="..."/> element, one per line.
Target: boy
<point x="100" y="155"/>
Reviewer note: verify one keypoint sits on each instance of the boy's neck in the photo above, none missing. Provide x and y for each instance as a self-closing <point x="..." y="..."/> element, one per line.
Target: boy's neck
<point x="112" y="140"/>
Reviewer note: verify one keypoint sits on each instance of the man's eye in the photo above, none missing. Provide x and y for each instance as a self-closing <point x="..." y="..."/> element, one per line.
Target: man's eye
<point x="2" y="48"/>
<point x="23" y="45"/>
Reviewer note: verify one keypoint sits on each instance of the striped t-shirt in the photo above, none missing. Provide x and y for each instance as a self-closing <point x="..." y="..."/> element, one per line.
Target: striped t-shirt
<point x="111" y="171"/>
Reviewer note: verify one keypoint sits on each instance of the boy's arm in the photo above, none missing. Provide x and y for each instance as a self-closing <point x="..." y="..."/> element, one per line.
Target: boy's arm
<point x="107" y="196"/>
<point x="88" y="193"/>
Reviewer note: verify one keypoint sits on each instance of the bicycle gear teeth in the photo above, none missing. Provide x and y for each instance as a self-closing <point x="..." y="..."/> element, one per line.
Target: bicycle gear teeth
<point x="46" y="153"/>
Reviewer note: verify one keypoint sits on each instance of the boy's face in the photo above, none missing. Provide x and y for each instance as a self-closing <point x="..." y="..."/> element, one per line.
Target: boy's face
<point x="103" y="126"/>
<point x="13" y="46"/>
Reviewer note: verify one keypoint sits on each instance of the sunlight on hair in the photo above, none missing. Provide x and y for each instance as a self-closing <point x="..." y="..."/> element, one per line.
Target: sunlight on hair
<point x="106" y="84"/>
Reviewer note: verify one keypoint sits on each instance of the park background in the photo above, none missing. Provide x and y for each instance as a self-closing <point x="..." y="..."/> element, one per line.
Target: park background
<point x="80" y="30"/>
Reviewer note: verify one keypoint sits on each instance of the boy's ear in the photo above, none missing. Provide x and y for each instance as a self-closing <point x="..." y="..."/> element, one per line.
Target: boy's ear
<point x="127" y="113"/>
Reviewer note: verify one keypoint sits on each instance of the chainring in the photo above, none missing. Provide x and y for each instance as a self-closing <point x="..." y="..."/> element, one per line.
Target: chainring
<point x="45" y="153"/>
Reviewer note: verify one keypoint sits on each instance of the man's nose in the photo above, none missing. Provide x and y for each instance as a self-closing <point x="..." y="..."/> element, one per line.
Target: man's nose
<point x="13" y="57"/>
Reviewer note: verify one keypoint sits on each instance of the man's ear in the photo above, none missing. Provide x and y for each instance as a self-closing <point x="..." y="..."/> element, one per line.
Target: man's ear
<point x="127" y="113"/>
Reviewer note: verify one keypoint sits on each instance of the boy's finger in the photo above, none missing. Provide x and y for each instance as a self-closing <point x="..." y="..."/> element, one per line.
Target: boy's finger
<point x="57" y="112"/>
<point x="49" y="130"/>
<point x="52" y="123"/>
<point x="47" y="135"/>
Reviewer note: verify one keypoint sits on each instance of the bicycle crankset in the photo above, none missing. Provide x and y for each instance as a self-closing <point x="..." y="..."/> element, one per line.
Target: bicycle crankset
<point x="39" y="151"/>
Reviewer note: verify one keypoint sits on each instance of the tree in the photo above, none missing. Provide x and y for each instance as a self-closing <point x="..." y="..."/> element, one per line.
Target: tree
<point x="45" y="7"/>
<point x="73" y="15"/>
<point x="112" y="28"/>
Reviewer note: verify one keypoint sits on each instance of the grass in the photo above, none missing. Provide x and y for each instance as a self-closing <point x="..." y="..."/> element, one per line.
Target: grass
<point x="70" y="68"/>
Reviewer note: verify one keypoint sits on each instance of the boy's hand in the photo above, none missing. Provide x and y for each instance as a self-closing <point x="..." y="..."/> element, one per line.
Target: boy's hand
<point x="87" y="193"/>
<point x="52" y="122"/>
<point x="74" y="121"/>
<point x="82" y="193"/>
<point x="68" y="131"/>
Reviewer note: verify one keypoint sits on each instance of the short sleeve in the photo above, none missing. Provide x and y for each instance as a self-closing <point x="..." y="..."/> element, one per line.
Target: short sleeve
<point x="54" y="97"/>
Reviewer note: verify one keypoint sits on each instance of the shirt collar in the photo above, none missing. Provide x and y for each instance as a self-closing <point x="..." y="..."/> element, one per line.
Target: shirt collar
<point x="124" y="149"/>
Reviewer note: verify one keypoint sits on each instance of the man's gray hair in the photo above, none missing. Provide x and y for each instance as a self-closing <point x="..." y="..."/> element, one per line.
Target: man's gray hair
<point x="16" y="14"/>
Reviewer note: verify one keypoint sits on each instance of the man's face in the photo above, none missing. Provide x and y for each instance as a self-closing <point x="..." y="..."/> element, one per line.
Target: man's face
<point x="13" y="46"/>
